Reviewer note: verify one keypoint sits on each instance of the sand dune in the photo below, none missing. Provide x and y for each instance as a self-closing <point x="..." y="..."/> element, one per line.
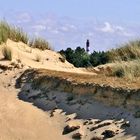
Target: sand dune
<point x="20" y="120"/>
<point x="48" y="59"/>
<point x="36" y="114"/>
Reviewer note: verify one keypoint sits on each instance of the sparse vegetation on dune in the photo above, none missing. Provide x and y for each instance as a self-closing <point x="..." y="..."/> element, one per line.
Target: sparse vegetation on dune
<point x="11" y="32"/>
<point x="16" y="34"/>
<point x="126" y="59"/>
<point x="7" y="53"/>
<point x="130" y="69"/>
<point x="126" y="52"/>
<point x="40" y="43"/>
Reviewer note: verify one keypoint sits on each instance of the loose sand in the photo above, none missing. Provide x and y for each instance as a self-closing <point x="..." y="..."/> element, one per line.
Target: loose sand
<point x="21" y="120"/>
<point x="57" y="115"/>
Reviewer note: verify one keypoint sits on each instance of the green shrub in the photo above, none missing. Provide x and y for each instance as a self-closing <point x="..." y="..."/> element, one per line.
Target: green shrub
<point x="80" y="58"/>
<point x="98" y="58"/>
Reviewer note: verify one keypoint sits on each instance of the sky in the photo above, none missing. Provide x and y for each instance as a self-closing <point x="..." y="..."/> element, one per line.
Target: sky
<point x="69" y="23"/>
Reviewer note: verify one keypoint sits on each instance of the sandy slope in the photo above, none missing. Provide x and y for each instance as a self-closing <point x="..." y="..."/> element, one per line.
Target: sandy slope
<point x="46" y="95"/>
<point x="48" y="59"/>
<point x="20" y="120"/>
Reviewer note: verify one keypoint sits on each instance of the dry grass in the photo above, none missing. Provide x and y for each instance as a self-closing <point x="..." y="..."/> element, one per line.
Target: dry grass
<point x="7" y="53"/>
<point x="40" y="43"/>
<point x="126" y="59"/>
<point x="126" y="52"/>
<point x="16" y="34"/>
<point x="130" y="69"/>
<point x="11" y="32"/>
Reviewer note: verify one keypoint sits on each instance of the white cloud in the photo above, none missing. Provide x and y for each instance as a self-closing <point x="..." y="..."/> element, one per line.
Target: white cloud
<point x="23" y="17"/>
<point x="55" y="31"/>
<point x="90" y="34"/>
<point x="126" y="34"/>
<point x="36" y="34"/>
<point x="66" y="32"/>
<point x="71" y="27"/>
<point x="64" y="28"/>
<point x="68" y="28"/>
<point x="39" y="27"/>
<point x="107" y="28"/>
<point x="122" y="31"/>
<point x="117" y="29"/>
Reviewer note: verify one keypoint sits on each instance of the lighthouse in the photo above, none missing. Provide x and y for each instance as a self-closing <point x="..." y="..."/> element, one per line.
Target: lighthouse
<point x="87" y="46"/>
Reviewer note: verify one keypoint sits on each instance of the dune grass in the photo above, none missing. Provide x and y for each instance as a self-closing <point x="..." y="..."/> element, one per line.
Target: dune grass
<point x="130" y="69"/>
<point x="126" y="60"/>
<point x="126" y="57"/>
<point x="40" y="43"/>
<point x="126" y="52"/>
<point x="7" y="53"/>
<point x="11" y="32"/>
<point x="17" y="34"/>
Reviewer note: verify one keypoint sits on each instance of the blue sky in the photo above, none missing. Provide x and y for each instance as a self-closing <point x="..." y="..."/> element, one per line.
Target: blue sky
<point x="68" y="23"/>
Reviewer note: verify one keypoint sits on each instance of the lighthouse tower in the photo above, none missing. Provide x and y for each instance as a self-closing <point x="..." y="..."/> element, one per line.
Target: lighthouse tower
<point x="87" y="46"/>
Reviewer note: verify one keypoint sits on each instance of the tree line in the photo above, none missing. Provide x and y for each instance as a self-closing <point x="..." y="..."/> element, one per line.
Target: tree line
<point x="80" y="58"/>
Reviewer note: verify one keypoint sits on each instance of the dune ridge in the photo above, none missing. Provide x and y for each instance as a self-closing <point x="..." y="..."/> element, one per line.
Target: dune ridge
<point x="50" y="99"/>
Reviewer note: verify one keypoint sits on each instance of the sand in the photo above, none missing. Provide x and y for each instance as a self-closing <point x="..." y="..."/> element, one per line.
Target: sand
<point x="21" y="120"/>
<point x="85" y="113"/>
<point x="28" y="114"/>
<point x="48" y="59"/>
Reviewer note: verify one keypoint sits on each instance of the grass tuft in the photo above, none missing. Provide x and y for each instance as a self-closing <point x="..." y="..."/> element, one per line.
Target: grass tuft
<point x="7" y="53"/>
<point x="126" y="52"/>
<point x="40" y="43"/>
<point x="11" y="32"/>
<point x="126" y="59"/>
<point x="16" y="34"/>
<point x="130" y="69"/>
